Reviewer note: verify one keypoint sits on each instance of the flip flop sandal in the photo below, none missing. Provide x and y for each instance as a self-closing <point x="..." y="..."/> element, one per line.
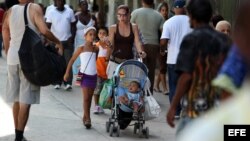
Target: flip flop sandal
<point x="157" y="90"/>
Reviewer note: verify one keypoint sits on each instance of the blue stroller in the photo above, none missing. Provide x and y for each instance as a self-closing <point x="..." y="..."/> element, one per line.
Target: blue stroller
<point x="121" y="115"/>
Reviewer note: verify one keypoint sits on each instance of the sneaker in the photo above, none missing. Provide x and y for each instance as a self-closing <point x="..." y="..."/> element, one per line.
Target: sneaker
<point x="100" y="110"/>
<point x="68" y="87"/>
<point x="96" y="110"/>
<point x="57" y="86"/>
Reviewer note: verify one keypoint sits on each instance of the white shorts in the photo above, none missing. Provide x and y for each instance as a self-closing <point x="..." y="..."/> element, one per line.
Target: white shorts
<point x="19" y="89"/>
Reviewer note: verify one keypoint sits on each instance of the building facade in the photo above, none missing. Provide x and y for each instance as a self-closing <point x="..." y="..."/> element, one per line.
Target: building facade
<point x="226" y="8"/>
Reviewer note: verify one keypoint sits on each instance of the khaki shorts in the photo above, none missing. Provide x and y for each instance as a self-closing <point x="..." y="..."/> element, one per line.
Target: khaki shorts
<point x="19" y="89"/>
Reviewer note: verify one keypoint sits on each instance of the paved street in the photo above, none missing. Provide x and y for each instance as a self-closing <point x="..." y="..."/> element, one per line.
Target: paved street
<point x="58" y="118"/>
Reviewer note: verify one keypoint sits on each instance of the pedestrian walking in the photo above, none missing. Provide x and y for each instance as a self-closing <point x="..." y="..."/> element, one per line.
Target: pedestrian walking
<point x="174" y="30"/>
<point x="123" y="36"/>
<point x="201" y="55"/>
<point x="161" y="77"/>
<point x="87" y="54"/>
<point x="101" y="66"/>
<point x="84" y="19"/>
<point x="234" y="111"/>
<point x="61" y="21"/>
<point x="20" y="91"/>
<point x="149" y="22"/>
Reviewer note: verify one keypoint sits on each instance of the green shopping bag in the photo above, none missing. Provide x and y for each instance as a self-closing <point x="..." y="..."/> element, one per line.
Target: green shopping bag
<point x="105" y="94"/>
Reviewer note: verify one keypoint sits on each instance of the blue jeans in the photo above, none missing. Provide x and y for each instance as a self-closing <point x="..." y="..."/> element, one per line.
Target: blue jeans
<point x="172" y="80"/>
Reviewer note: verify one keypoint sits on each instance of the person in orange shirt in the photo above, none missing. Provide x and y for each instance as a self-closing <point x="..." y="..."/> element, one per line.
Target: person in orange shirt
<point x="101" y="66"/>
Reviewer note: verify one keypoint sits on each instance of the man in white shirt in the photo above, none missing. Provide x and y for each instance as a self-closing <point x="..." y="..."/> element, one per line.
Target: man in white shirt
<point x="173" y="32"/>
<point x="61" y="21"/>
<point x="52" y="6"/>
<point x="149" y="22"/>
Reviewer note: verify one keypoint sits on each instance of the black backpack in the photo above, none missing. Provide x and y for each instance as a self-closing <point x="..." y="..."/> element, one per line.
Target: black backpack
<point x="41" y="65"/>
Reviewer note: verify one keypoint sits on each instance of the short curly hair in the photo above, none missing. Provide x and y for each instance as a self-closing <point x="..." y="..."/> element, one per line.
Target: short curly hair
<point x="216" y="18"/>
<point x="200" y="10"/>
<point x="149" y="2"/>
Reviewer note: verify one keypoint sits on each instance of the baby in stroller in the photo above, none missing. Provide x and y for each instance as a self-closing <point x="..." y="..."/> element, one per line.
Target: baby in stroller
<point x="130" y="81"/>
<point x="133" y="98"/>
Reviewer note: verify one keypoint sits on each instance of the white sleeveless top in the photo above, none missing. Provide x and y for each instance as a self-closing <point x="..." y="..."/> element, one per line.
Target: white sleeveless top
<point x="102" y="52"/>
<point x="17" y="27"/>
<point x="88" y="63"/>
<point x="79" y="38"/>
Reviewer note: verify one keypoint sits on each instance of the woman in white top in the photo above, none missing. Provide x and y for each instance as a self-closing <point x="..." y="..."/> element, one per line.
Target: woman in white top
<point x="84" y="20"/>
<point x="87" y="55"/>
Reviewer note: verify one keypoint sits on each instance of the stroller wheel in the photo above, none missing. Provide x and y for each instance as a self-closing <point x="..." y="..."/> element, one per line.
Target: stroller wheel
<point x="111" y="130"/>
<point x="107" y="126"/>
<point x="118" y="131"/>
<point x="140" y="131"/>
<point x="135" y="128"/>
<point x="146" y="132"/>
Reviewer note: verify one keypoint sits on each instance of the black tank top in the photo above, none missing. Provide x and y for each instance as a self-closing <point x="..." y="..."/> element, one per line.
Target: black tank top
<point x="123" y="45"/>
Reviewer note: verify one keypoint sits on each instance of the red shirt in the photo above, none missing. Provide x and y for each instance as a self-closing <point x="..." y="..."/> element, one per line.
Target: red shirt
<point x="1" y="18"/>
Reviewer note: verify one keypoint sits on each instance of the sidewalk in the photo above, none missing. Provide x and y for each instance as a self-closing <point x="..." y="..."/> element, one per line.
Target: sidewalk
<point x="58" y="118"/>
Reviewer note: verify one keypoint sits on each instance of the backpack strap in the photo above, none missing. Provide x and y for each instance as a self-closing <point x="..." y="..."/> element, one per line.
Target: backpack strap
<point x="25" y="14"/>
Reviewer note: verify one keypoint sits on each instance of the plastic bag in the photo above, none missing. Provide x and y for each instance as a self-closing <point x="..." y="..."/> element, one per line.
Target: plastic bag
<point x="152" y="108"/>
<point x="106" y="94"/>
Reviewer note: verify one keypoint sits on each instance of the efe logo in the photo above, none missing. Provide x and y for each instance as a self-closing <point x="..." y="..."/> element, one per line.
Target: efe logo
<point x="236" y="132"/>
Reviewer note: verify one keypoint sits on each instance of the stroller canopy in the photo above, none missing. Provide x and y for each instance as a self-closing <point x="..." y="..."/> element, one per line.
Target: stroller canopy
<point x="130" y="70"/>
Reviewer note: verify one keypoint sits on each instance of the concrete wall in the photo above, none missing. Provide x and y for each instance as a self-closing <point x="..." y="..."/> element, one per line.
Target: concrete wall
<point x="227" y="9"/>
